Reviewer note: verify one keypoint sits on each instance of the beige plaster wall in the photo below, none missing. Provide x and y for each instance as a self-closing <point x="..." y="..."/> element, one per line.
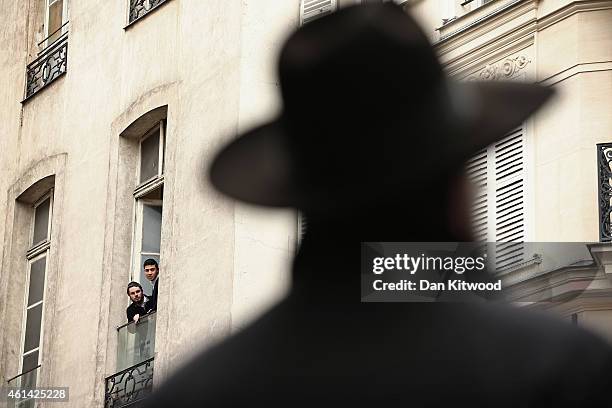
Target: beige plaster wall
<point x="265" y="238"/>
<point x="575" y="57"/>
<point x="599" y="321"/>
<point x="212" y="63"/>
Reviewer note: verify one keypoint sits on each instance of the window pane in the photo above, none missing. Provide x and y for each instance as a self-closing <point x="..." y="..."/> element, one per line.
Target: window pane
<point x="149" y="157"/>
<point x="163" y="167"/>
<point x="30" y="361"/>
<point x="151" y="228"/>
<point x="37" y="281"/>
<point x="27" y="403"/>
<point x="32" y="335"/>
<point x="55" y="19"/>
<point x="147" y="286"/>
<point x="41" y="222"/>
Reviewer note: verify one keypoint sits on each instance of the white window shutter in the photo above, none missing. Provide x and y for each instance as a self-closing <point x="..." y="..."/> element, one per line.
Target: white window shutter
<point x="510" y="200"/>
<point x="498" y="210"/>
<point x="302" y="225"/>
<point x="510" y="188"/>
<point x="312" y="9"/>
<point x="476" y="170"/>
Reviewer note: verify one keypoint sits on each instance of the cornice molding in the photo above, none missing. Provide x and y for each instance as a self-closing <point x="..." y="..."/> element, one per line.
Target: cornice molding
<point x="479" y="20"/>
<point x="507" y="42"/>
<point x="505" y="70"/>
<point x="490" y="53"/>
<point x="572" y="9"/>
<point x="575" y="70"/>
<point x="485" y="24"/>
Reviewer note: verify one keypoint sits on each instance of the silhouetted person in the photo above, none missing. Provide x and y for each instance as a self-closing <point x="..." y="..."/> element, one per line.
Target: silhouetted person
<point x="370" y="147"/>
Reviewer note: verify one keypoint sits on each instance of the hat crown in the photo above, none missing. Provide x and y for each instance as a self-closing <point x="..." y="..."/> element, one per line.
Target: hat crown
<point x="362" y="60"/>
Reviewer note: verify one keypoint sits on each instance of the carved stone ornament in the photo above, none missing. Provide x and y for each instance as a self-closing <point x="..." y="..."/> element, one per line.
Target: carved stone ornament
<point x="504" y="70"/>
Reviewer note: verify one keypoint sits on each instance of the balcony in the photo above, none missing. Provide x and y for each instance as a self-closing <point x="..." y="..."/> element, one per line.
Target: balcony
<point x="604" y="186"/>
<point x="140" y="8"/>
<point x="133" y="382"/>
<point x="26" y="380"/>
<point x="50" y="64"/>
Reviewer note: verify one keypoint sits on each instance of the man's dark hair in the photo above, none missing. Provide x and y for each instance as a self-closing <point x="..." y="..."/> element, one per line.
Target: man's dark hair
<point x="131" y="285"/>
<point x="150" y="261"/>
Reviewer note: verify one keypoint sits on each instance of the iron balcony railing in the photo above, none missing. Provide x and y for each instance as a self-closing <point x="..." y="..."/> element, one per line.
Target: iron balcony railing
<point x="129" y="387"/>
<point x="604" y="160"/>
<point x="27" y="381"/>
<point x="50" y="64"/>
<point x="135" y="352"/>
<point x="140" y="8"/>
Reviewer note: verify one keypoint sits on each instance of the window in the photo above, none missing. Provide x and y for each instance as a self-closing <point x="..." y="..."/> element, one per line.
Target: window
<point x="55" y="20"/>
<point x="140" y="8"/>
<point x="149" y="202"/>
<point x="36" y="256"/>
<point x="52" y="57"/>
<point x="499" y="209"/>
<point x="310" y="10"/>
<point x="447" y="10"/>
<point x="152" y="155"/>
<point x="302" y="226"/>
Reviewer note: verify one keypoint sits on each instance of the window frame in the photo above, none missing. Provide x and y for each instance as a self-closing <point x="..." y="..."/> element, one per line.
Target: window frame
<point x="145" y="187"/>
<point x="36" y="249"/>
<point x="48" y="4"/>
<point x="140" y="197"/>
<point x="34" y="254"/>
<point x="137" y="236"/>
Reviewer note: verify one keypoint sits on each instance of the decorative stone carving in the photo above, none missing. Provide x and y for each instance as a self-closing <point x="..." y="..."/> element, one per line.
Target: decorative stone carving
<point x="507" y="69"/>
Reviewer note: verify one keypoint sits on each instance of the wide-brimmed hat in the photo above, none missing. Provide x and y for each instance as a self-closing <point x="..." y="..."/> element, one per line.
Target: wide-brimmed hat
<point x="368" y="114"/>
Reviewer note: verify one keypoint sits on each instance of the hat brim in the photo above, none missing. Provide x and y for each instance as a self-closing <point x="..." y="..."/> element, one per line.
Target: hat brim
<point x="257" y="167"/>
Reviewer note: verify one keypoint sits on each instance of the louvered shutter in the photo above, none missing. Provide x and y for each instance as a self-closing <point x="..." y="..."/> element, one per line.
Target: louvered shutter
<point x="302" y="226"/>
<point x="510" y="200"/>
<point x="312" y="9"/>
<point x="498" y="211"/>
<point x="477" y="172"/>
<point x="510" y="188"/>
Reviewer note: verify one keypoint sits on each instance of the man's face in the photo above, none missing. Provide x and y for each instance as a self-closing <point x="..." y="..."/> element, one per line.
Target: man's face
<point x="135" y="294"/>
<point x="151" y="272"/>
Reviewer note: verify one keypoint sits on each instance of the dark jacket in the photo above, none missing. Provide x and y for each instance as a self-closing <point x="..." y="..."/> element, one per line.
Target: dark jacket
<point x="153" y="297"/>
<point x="322" y="347"/>
<point x="134" y="309"/>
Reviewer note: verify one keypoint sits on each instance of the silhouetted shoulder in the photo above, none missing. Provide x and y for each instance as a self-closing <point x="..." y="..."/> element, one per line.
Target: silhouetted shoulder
<point x="367" y="353"/>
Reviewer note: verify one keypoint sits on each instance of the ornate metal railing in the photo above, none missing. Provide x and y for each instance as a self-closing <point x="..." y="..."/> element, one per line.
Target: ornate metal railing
<point x="139" y="8"/>
<point x="604" y="159"/>
<point x="129" y="387"/>
<point x="50" y="64"/>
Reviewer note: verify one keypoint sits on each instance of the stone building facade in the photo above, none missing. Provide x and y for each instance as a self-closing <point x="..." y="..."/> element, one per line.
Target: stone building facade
<point x="112" y="110"/>
<point x="110" y="114"/>
<point x="549" y="181"/>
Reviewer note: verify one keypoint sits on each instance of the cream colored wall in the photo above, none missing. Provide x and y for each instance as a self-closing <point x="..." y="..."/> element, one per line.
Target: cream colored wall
<point x="599" y="321"/>
<point x="265" y="238"/>
<point x="222" y="264"/>
<point x="575" y="57"/>
<point x="569" y="47"/>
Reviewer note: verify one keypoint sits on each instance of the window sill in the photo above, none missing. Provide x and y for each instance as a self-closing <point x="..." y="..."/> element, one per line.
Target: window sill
<point x="148" y="186"/>
<point x="462" y="23"/>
